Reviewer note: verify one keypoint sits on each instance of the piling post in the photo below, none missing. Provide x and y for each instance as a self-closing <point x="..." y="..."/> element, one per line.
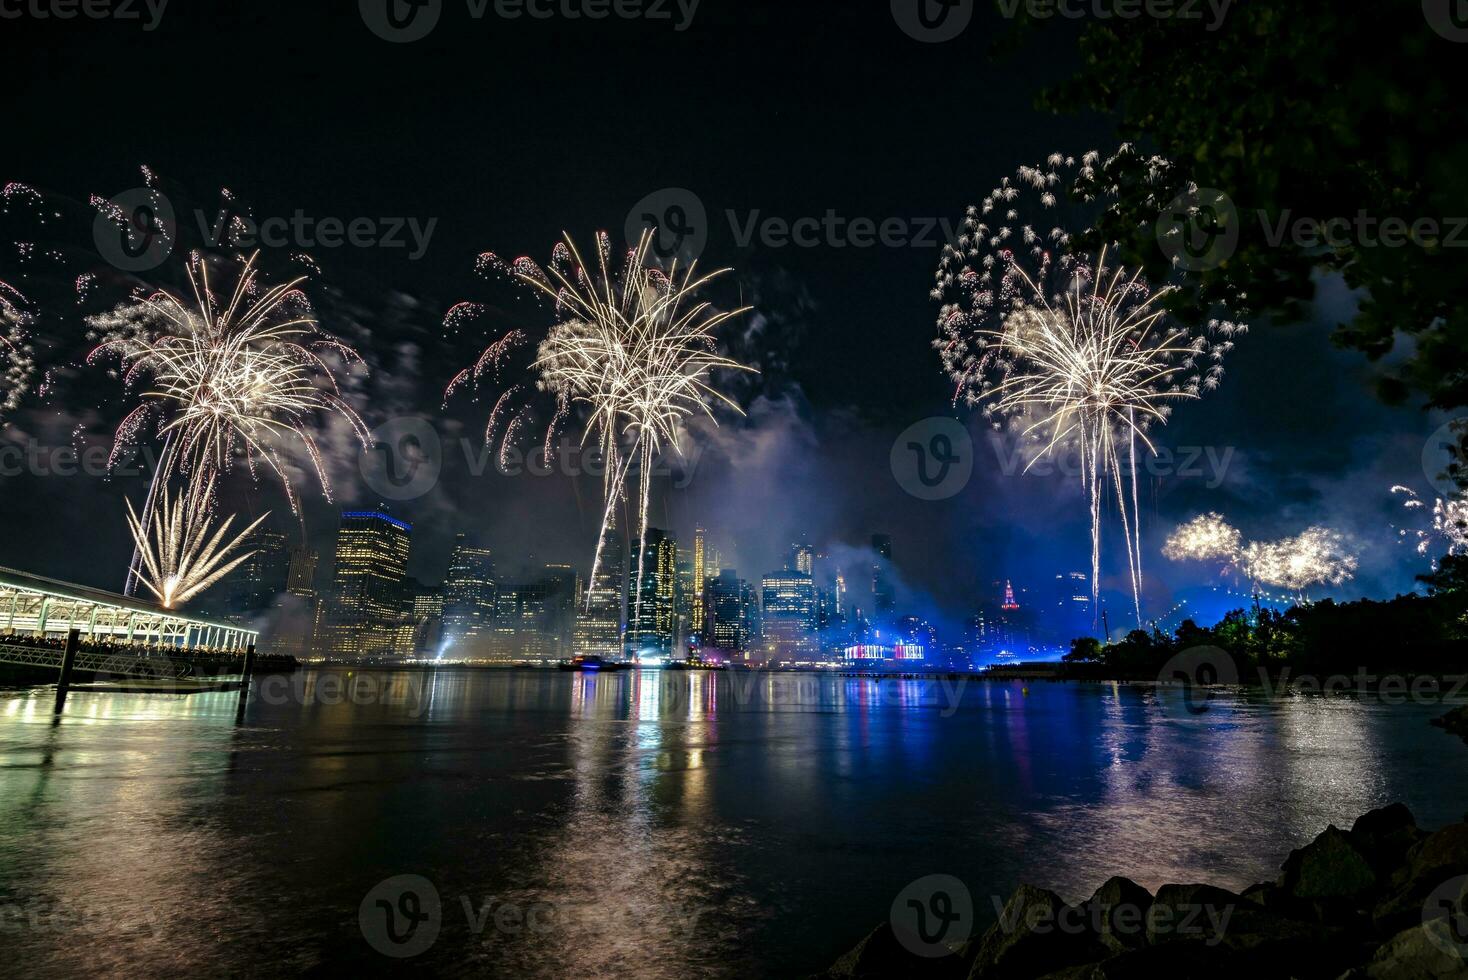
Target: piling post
<point x="249" y="669"/>
<point x="68" y="662"/>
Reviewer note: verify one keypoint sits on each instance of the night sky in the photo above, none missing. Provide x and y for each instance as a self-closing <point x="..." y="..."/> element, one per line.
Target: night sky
<point x="507" y="132"/>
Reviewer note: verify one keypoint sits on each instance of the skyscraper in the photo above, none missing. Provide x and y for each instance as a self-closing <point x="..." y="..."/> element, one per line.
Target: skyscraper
<point x="652" y="601"/>
<point x="562" y="594"/>
<point x="367" y="588"/>
<point x="729" y="614"/>
<point x="700" y="582"/>
<point x="468" y="599"/>
<point x="254" y="586"/>
<point x="599" y="613"/>
<point x="803" y="559"/>
<point x="302" y="578"/>
<point x="789" y="616"/>
<point x="884" y="596"/>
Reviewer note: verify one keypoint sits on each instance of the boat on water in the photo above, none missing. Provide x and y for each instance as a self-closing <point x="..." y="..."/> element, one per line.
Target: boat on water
<point x="596" y="664"/>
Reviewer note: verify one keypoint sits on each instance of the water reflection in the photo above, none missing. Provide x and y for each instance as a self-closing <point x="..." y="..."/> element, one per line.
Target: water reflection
<point x="644" y="823"/>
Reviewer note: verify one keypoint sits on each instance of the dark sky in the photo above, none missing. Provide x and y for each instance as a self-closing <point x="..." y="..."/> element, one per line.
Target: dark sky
<point x="505" y="132"/>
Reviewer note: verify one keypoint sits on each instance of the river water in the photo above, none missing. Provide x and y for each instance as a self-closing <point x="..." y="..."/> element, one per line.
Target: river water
<point x="663" y="824"/>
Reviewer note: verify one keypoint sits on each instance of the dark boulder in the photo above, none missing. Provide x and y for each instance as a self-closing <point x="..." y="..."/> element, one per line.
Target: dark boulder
<point x="1118" y="914"/>
<point x="1037" y="933"/>
<point x="1420" y="952"/>
<point x="1329" y="868"/>
<point x="880" y="955"/>
<point x="1250" y="938"/>
<point x="1385" y="836"/>
<point x="1455" y="722"/>
<point x="1433" y="861"/>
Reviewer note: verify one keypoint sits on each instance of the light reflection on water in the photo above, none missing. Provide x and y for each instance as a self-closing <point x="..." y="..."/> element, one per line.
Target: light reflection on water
<point x="652" y="824"/>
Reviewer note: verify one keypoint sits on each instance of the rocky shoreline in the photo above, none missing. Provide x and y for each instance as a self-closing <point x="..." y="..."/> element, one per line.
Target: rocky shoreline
<point x="1381" y="901"/>
<point x="1455" y="722"/>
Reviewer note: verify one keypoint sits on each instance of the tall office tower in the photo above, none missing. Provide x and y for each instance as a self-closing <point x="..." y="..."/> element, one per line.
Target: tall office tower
<point x="789" y="617"/>
<point x="367" y="588"/>
<point x="254" y="586"/>
<point x="562" y="589"/>
<point x="840" y="593"/>
<point x="884" y="596"/>
<point x="426" y="615"/>
<point x="803" y="558"/>
<point x="520" y="634"/>
<point x="651" y="602"/>
<point x="700" y="582"/>
<point x="599" y="614"/>
<point x="468" y="599"/>
<point x="1071" y="607"/>
<point x="728" y="618"/>
<point x="302" y="578"/>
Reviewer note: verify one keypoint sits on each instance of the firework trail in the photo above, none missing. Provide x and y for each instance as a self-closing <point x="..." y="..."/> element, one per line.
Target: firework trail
<point x="1318" y="556"/>
<point x="1449" y="523"/>
<point x="17" y="356"/>
<point x="1072" y="352"/>
<point x="631" y="355"/>
<point x="227" y="377"/>
<point x="180" y="557"/>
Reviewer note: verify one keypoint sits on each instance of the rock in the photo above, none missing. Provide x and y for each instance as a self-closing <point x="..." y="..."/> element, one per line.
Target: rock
<point x="1240" y="931"/>
<point x="1423" y="951"/>
<point x="880" y="955"/>
<point x="1182" y="959"/>
<point x="1037" y="933"/>
<point x="1330" y="868"/>
<point x="1118" y="914"/>
<point x="1455" y="722"/>
<point x="1432" y="861"/>
<point x="1190" y="912"/>
<point x="1385" y="836"/>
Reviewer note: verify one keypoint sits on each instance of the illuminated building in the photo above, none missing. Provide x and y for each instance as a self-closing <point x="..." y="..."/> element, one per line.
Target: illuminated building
<point x="426" y="615"/>
<point x="468" y="600"/>
<point x="562" y="597"/>
<point x="301" y="580"/>
<point x="700" y="581"/>
<point x="884" y="596"/>
<point x="599" y="616"/>
<point x="367" y="589"/>
<point x="652" y="620"/>
<point x="788" y="623"/>
<point x="729" y="611"/>
<point x="803" y="559"/>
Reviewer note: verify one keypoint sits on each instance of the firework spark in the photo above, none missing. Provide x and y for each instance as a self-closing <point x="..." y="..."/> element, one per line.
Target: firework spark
<point x="632" y="354"/>
<point x="1070" y="350"/>
<point x="1449" y="523"/>
<point x="17" y="356"/>
<point x="180" y="556"/>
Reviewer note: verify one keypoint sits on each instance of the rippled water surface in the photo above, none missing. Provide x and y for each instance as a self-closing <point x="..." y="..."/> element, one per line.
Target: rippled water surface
<point x="642" y="824"/>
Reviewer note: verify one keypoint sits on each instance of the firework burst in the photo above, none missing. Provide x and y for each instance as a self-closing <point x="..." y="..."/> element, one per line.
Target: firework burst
<point x="631" y="355"/>
<point x="1318" y="556"/>
<point x="1449" y="527"/>
<point x="225" y="377"/>
<point x="17" y="356"/>
<point x="1068" y="350"/>
<point x="180" y="557"/>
